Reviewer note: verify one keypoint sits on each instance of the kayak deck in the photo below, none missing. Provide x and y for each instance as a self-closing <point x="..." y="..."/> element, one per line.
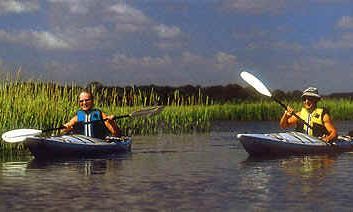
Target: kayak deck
<point x="291" y="143"/>
<point x="76" y="146"/>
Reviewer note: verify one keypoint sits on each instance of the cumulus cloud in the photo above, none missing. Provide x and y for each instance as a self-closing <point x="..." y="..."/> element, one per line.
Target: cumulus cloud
<point x="187" y="68"/>
<point x="73" y="25"/>
<point x="37" y="39"/>
<point x="84" y="38"/>
<point x="304" y="70"/>
<point x="169" y="37"/>
<point x="13" y="6"/>
<point x="224" y="60"/>
<point x="145" y="62"/>
<point x="185" y="58"/>
<point x="260" y="7"/>
<point x="346" y="22"/>
<point x="255" y="6"/>
<point x="117" y="21"/>
<point x="345" y="41"/>
<point x="167" y="32"/>
<point x="127" y="18"/>
<point x="76" y="6"/>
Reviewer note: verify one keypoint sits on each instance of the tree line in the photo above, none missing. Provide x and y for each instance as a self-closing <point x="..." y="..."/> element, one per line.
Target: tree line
<point x="217" y="94"/>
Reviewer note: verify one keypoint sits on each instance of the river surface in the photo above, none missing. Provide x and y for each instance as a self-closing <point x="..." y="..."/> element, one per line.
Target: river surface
<point x="188" y="172"/>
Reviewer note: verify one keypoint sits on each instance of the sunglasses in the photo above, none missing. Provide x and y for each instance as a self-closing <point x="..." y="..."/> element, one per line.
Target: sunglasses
<point x="309" y="98"/>
<point x="85" y="100"/>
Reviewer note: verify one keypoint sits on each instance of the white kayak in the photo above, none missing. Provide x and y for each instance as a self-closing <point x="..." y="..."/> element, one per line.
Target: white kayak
<point x="292" y="143"/>
<point x="76" y="146"/>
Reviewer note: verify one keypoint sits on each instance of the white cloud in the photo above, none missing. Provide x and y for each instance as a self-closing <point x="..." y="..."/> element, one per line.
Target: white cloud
<point x="76" y="6"/>
<point x="166" y="32"/>
<point x="304" y="72"/>
<point x="123" y="60"/>
<point x="273" y="6"/>
<point x="12" y="6"/>
<point x="191" y="58"/>
<point x="255" y="6"/>
<point x="116" y="22"/>
<point x="169" y="45"/>
<point x="127" y="18"/>
<point x="296" y="47"/>
<point x="343" y="42"/>
<point x="84" y="37"/>
<point x="187" y="68"/>
<point x="169" y="37"/>
<point x="223" y="57"/>
<point x="38" y="39"/>
<point x="346" y="22"/>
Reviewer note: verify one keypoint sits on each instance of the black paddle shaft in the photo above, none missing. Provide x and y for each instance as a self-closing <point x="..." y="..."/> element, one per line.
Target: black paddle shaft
<point x="63" y="127"/>
<point x="294" y="114"/>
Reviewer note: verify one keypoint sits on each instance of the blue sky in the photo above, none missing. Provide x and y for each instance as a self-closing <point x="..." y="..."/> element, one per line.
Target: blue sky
<point x="289" y="44"/>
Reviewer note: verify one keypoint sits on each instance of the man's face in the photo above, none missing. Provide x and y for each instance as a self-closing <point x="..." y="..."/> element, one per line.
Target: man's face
<point x="85" y="101"/>
<point x="309" y="102"/>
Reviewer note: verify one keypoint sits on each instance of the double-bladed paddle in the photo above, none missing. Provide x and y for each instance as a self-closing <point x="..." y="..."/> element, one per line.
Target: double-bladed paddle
<point x="20" y="135"/>
<point x="262" y="89"/>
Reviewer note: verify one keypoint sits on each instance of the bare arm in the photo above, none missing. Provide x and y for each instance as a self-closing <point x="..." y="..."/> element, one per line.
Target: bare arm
<point x="69" y="125"/>
<point x="331" y="129"/>
<point x="287" y="119"/>
<point x="111" y="125"/>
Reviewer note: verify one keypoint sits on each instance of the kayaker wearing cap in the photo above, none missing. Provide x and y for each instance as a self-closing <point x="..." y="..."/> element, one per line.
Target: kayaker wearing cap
<point x="97" y="127"/>
<point x="318" y="118"/>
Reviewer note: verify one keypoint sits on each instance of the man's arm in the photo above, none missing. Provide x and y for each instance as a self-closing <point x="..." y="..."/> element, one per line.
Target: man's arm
<point x="287" y="119"/>
<point x="69" y="125"/>
<point x="331" y="129"/>
<point x="111" y="125"/>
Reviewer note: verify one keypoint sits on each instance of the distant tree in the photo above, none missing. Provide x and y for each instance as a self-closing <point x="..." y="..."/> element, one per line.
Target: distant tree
<point x="95" y="85"/>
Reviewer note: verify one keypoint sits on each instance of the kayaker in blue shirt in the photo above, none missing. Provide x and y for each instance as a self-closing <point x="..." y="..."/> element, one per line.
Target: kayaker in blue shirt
<point x="89" y="120"/>
<point x="318" y="118"/>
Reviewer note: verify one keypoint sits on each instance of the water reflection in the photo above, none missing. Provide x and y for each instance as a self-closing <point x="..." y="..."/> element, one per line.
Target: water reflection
<point x="86" y="167"/>
<point x="308" y="166"/>
<point x="291" y="180"/>
<point x="14" y="169"/>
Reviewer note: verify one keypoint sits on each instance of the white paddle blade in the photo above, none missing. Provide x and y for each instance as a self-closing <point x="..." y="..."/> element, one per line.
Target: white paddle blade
<point x="255" y="83"/>
<point x="19" y="135"/>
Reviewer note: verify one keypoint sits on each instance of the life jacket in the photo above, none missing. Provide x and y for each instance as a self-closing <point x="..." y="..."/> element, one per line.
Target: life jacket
<point x="96" y="128"/>
<point x="315" y="120"/>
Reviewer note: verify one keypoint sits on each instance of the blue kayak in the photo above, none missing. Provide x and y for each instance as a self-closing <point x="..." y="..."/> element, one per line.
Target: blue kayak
<point x="292" y="143"/>
<point x="76" y="146"/>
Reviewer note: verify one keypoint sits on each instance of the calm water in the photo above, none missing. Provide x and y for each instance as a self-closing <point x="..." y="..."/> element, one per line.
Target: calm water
<point x="182" y="172"/>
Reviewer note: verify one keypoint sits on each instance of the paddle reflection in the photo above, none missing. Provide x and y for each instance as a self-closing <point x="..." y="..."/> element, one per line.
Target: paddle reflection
<point x="13" y="169"/>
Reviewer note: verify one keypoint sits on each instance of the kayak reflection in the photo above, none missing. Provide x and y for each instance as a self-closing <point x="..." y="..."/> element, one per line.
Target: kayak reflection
<point x="97" y="166"/>
<point x="299" y="166"/>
